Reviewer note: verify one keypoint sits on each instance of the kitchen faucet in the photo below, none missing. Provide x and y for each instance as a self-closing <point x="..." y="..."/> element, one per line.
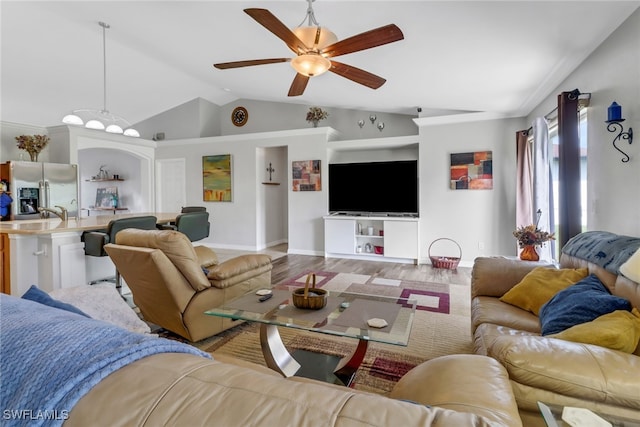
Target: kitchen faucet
<point x="63" y="214"/>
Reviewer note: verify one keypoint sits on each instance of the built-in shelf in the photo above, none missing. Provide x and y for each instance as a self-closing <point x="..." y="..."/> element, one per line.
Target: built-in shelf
<point x="104" y="179"/>
<point x="271" y="183"/>
<point x="114" y="210"/>
<point x="394" y="239"/>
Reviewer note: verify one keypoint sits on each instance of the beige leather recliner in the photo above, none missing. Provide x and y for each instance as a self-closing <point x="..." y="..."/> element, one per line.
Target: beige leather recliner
<point x="173" y="283"/>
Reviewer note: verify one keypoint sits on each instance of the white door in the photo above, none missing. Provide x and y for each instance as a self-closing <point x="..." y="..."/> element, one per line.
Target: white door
<point x="171" y="185"/>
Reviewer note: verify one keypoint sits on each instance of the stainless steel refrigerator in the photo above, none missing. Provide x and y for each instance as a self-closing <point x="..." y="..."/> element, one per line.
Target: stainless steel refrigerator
<point x="36" y="184"/>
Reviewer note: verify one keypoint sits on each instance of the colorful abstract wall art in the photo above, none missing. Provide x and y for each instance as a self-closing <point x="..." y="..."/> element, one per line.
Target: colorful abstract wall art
<point x="306" y="175"/>
<point x="471" y="171"/>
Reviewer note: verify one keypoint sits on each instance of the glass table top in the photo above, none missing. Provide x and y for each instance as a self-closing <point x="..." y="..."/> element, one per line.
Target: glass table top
<point x="345" y="314"/>
<point x="553" y="417"/>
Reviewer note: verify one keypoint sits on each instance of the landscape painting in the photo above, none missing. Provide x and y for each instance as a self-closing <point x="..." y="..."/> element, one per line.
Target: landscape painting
<point x="305" y="175"/>
<point x="471" y="171"/>
<point x="216" y="178"/>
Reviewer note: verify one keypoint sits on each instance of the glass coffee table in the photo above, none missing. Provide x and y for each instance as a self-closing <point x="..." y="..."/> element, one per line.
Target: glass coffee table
<point x="345" y="315"/>
<point x="553" y="417"/>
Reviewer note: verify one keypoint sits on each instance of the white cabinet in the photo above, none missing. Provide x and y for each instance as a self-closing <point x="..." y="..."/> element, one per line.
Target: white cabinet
<point x="382" y="238"/>
<point x="339" y="236"/>
<point x="401" y="239"/>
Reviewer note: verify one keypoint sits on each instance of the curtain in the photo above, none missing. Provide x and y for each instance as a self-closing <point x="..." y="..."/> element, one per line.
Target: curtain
<point x="542" y="206"/>
<point x="524" y="180"/>
<point x="570" y="209"/>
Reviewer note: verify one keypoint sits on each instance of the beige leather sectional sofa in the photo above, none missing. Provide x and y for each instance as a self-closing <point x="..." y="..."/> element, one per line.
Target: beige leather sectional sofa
<point x="186" y="390"/>
<point x="548" y="369"/>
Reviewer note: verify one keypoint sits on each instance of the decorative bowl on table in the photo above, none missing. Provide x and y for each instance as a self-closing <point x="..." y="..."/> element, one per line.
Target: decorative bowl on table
<point x="309" y="297"/>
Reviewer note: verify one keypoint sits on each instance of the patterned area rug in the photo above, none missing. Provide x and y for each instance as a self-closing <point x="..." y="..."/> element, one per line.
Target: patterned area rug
<point x="441" y="326"/>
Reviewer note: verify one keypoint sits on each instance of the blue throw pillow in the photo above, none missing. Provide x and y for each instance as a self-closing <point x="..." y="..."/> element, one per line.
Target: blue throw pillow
<point x="40" y="296"/>
<point x="579" y="303"/>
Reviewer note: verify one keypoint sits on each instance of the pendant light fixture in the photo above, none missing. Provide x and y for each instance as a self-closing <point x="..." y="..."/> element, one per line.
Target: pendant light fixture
<point x="101" y="119"/>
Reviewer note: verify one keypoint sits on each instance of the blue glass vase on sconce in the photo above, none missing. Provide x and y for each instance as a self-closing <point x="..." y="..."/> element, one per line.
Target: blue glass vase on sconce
<point x="614" y="124"/>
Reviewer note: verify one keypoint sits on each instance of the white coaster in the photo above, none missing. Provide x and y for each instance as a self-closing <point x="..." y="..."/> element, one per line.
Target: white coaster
<point x="263" y="292"/>
<point x="377" y="323"/>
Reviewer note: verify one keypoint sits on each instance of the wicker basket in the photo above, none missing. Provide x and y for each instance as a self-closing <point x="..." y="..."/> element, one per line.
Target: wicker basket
<point x="312" y="298"/>
<point x="450" y="263"/>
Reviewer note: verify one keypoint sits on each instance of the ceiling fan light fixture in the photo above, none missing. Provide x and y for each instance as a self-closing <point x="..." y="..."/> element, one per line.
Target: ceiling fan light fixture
<point x="308" y="35"/>
<point x="310" y="64"/>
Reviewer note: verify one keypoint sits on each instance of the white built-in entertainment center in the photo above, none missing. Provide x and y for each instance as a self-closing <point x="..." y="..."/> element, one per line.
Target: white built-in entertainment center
<point x="374" y="235"/>
<point x="371" y="237"/>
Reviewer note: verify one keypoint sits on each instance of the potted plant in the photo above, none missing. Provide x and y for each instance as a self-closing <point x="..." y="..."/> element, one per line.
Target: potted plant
<point x="32" y="144"/>
<point x="529" y="237"/>
<point x="315" y="114"/>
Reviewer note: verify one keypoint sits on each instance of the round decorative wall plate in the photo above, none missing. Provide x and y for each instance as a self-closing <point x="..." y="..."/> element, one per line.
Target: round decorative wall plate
<point x="239" y="116"/>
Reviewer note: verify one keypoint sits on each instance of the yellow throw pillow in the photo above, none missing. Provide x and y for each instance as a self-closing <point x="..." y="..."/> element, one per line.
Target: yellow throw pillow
<point x="619" y="330"/>
<point x="540" y="285"/>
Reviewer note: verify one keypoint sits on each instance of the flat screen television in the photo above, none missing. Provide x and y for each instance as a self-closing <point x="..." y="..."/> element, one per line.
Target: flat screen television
<point x="375" y="187"/>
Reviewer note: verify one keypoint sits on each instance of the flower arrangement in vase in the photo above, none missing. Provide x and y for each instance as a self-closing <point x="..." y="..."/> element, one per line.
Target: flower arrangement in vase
<point x="315" y="114"/>
<point x="530" y="236"/>
<point x="32" y="144"/>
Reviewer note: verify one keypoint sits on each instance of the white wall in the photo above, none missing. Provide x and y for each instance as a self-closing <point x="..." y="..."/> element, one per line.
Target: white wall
<point x="269" y="116"/>
<point x="272" y="204"/>
<point x="611" y="73"/>
<point x="473" y="218"/>
<point x="236" y="224"/>
<point x="193" y="119"/>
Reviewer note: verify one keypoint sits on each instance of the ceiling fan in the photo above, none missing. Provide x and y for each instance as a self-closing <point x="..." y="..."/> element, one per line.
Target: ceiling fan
<point x="313" y="45"/>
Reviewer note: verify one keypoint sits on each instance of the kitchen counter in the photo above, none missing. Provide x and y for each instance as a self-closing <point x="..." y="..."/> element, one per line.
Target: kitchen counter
<point x="56" y="225"/>
<point x="49" y="253"/>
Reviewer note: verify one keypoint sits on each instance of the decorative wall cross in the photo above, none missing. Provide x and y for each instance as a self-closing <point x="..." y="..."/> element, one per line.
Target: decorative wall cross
<point x="270" y="170"/>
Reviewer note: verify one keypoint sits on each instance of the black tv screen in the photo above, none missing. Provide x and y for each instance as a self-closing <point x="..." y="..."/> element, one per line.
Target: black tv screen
<point x="377" y="187"/>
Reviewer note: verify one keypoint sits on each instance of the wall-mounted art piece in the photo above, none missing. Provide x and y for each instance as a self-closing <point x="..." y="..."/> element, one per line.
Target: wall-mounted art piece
<point x="471" y="171"/>
<point x="306" y="175"/>
<point x="216" y="178"/>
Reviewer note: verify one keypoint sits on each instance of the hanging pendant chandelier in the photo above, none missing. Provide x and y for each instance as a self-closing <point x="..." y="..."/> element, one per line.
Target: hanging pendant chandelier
<point x="101" y="119"/>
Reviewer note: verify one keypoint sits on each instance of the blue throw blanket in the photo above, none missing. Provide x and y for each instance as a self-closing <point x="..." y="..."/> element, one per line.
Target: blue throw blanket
<point x="602" y="248"/>
<point x="51" y="358"/>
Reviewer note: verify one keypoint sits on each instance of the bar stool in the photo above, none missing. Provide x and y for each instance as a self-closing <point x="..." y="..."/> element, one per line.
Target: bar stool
<point x="195" y="225"/>
<point x="94" y="241"/>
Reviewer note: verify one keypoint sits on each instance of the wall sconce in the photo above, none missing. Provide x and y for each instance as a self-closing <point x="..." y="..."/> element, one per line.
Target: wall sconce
<point x="372" y="118"/>
<point x="614" y="124"/>
<point x="380" y="126"/>
<point x="361" y="123"/>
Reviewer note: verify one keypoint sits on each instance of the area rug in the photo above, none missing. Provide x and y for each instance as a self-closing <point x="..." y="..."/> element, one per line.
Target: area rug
<point x="441" y="326"/>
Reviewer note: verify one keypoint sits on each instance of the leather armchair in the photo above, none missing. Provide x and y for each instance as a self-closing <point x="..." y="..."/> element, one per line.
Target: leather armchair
<point x="173" y="283"/>
<point x="94" y="241"/>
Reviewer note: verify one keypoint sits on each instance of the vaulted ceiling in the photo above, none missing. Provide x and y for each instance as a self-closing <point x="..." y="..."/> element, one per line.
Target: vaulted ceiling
<point x="490" y="56"/>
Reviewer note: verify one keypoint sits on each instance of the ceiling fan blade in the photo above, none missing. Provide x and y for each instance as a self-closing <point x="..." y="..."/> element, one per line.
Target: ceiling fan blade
<point x="273" y="24"/>
<point x="357" y="75"/>
<point x="377" y="37"/>
<point x="299" y="85"/>
<point x="249" y="63"/>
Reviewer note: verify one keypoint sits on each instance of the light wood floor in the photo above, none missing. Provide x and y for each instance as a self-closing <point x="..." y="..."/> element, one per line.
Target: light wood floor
<point x="291" y="265"/>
